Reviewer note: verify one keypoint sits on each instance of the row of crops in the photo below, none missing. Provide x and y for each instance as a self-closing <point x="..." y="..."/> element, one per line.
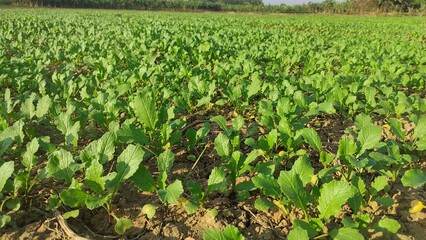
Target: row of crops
<point x="313" y="116"/>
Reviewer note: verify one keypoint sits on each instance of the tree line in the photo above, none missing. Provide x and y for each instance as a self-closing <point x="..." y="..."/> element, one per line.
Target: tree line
<point x="330" y="6"/>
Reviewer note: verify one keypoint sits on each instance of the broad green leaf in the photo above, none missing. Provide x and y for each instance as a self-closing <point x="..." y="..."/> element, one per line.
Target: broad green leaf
<point x="74" y="197"/>
<point x="346" y="233"/>
<point x="254" y="87"/>
<point x="165" y="161"/>
<point x="362" y="121"/>
<point x="268" y="185"/>
<point x="221" y="144"/>
<point x="14" y="204"/>
<point x="298" y="233"/>
<point x="28" y="159"/>
<point x="220" y="121"/>
<point x="149" y="210"/>
<point x="421" y="144"/>
<point x="303" y="168"/>
<point x="71" y="214"/>
<point x="4" y="219"/>
<point x="146" y="112"/>
<point x="102" y="149"/>
<point x="312" y="138"/>
<point x="171" y="193"/>
<point x="28" y="108"/>
<point x="388" y="225"/>
<point x="43" y="106"/>
<point x="263" y="204"/>
<point x="128" y="163"/>
<point x="414" y="178"/>
<point x="217" y="180"/>
<point x="237" y="123"/>
<point x="130" y="134"/>
<point x="368" y="138"/>
<point x="420" y="129"/>
<point x="94" y="179"/>
<point x="396" y="128"/>
<point x="122" y="225"/>
<point x="10" y="134"/>
<point x="378" y="184"/>
<point x="292" y="186"/>
<point x="347" y="147"/>
<point x="311" y="227"/>
<point x="213" y="234"/>
<point x="6" y="170"/>
<point x="231" y="232"/>
<point x="61" y="165"/>
<point x="93" y="202"/>
<point x="144" y="180"/>
<point x="333" y="195"/>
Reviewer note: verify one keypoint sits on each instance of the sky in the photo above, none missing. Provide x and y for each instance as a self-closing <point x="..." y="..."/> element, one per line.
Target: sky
<point x="289" y="2"/>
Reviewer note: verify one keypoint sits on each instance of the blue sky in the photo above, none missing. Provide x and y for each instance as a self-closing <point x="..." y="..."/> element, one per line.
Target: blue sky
<point x="289" y="2"/>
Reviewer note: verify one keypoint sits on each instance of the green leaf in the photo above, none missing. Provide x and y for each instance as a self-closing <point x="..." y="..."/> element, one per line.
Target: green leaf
<point x="144" y="180"/>
<point x="6" y="170"/>
<point x="388" y="225"/>
<point x="43" y="106"/>
<point x="232" y="233"/>
<point x="311" y="227"/>
<point x="263" y="204"/>
<point x="171" y="193"/>
<point x="149" y="210"/>
<point x="102" y="149"/>
<point x="71" y="214"/>
<point x="378" y="184"/>
<point x="61" y="165"/>
<point x="213" y="234"/>
<point x="10" y="134"/>
<point x="237" y="123"/>
<point x="346" y="233"/>
<point x="303" y="168"/>
<point x="268" y="185"/>
<point x="420" y="129"/>
<point x="74" y="197"/>
<point x="333" y="195"/>
<point x="220" y="121"/>
<point x="28" y="108"/>
<point x="368" y="138"/>
<point x="412" y="178"/>
<point x="94" y="179"/>
<point x="385" y="201"/>
<point x="217" y="181"/>
<point x="28" y="159"/>
<point x="362" y="121"/>
<point x="396" y="128"/>
<point x="4" y="219"/>
<point x="292" y="187"/>
<point x="122" y="225"/>
<point x="254" y="87"/>
<point x="298" y="233"/>
<point x="347" y="147"/>
<point x="145" y="110"/>
<point x="127" y="164"/>
<point x="229" y="233"/>
<point x="14" y="204"/>
<point x="312" y="138"/>
<point x="165" y="161"/>
<point x="93" y="202"/>
<point x="221" y="144"/>
<point x="130" y="134"/>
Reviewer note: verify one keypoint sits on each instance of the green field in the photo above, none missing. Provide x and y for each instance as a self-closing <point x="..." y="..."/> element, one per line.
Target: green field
<point x="214" y="126"/>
